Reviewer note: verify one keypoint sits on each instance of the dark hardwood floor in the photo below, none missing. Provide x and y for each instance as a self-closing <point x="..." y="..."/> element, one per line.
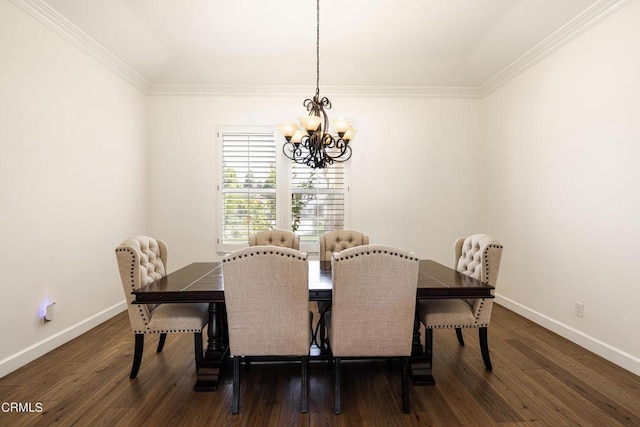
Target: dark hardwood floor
<point x="538" y="378"/>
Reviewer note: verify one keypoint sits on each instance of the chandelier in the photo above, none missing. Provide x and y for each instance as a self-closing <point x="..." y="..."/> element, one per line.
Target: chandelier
<point x="315" y="146"/>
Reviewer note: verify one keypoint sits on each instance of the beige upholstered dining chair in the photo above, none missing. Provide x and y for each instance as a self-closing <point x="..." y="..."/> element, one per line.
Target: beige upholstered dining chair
<point x="338" y="240"/>
<point x="143" y="260"/>
<point x="330" y="242"/>
<point x="275" y="237"/>
<point x="379" y="281"/>
<point x="477" y="256"/>
<point x="282" y="238"/>
<point x="267" y="298"/>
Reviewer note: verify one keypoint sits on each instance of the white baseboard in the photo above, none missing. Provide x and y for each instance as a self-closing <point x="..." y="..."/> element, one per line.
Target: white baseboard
<point x="38" y="349"/>
<point x="602" y="349"/>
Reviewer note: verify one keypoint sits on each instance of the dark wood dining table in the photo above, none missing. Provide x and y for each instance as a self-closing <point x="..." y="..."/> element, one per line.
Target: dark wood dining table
<point x="203" y="282"/>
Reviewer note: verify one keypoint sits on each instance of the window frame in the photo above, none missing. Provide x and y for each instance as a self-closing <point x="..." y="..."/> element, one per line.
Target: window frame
<point x="283" y="189"/>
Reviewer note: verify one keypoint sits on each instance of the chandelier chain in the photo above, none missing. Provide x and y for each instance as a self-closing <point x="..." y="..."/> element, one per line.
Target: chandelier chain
<point x="317" y="47"/>
<point x="314" y="146"/>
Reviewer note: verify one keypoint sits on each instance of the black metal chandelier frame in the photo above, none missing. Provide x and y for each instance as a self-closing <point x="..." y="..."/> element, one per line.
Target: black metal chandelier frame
<point x="318" y="148"/>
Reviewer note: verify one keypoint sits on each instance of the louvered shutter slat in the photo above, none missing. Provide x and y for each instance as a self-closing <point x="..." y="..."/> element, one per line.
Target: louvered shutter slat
<point x="248" y="184"/>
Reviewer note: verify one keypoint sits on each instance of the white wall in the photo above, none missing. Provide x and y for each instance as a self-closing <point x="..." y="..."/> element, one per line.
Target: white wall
<point x="412" y="171"/>
<point x="562" y="147"/>
<point x="550" y="158"/>
<point x="72" y="184"/>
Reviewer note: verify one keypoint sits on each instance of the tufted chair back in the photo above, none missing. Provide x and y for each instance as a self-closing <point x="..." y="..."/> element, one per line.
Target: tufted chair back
<point x="338" y="240"/>
<point x="479" y="256"/>
<point x="141" y="260"/>
<point x="275" y="237"/>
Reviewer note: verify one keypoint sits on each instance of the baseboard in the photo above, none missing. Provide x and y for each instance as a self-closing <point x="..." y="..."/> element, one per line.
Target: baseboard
<point x="38" y="349"/>
<point x="602" y="349"/>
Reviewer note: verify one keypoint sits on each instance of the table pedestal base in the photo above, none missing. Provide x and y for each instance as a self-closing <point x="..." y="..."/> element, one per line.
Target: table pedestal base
<point x="215" y="356"/>
<point x="420" y="371"/>
<point x="420" y="362"/>
<point x="211" y="370"/>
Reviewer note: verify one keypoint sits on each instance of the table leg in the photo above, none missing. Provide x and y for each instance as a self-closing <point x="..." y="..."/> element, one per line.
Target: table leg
<point x="416" y="347"/>
<point x="209" y="373"/>
<point x="420" y="362"/>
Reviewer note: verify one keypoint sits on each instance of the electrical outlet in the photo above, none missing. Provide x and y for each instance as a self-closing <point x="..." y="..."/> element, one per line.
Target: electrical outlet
<point x="579" y="309"/>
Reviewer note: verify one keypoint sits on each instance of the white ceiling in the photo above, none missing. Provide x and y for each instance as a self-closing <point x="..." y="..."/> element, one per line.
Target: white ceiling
<point x="427" y="43"/>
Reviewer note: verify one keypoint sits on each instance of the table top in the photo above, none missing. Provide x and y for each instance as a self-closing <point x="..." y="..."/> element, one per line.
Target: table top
<point x="203" y="282"/>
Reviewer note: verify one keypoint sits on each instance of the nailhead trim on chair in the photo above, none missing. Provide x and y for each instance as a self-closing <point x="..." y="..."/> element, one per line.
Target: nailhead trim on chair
<point x="140" y="310"/>
<point x="168" y="331"/>
<point x="485" y="280"/>
<point x="264" y="252"/>
<point x="339" y="258"/>
<point x="133" y="263"/>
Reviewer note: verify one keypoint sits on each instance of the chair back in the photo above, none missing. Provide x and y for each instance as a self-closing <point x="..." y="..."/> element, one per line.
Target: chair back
<point x="275" y="237"/>
<point x="373" y="301"/>
<point x="339" y="240"/>
<point x="479" y="256"/>
<point x="267" y="300"/>
<point x="141" y="260"/>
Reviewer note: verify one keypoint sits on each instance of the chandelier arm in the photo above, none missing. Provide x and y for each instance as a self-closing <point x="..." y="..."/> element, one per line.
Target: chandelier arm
<point x="341" y="158"/>
<point x="293" y="151"/>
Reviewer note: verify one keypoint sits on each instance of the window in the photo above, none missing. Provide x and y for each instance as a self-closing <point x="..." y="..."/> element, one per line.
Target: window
<point x="317" y="201"/>
<point x="260" y="189"/>
<point x="247" y="184"/>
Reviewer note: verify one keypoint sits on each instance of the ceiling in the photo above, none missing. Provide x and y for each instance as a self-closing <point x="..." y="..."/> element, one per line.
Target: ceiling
<point x="412" y="43"/>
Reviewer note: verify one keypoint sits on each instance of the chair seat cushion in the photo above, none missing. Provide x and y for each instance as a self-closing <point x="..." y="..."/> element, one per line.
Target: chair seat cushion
<point x="446" y="313"/>
<point x="183" y="317"/>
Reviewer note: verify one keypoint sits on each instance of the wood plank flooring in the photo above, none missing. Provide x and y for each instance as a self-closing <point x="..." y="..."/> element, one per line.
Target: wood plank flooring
<point x="538" y="379"/>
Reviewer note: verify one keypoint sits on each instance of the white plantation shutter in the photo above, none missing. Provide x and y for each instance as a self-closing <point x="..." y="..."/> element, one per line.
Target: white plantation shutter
<point x="248" y="185"/>
<point x="258" y="189"/>
<point x="317" y="200"/>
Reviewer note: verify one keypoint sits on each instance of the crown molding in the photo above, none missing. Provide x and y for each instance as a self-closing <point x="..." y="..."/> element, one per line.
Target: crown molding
<point x="291" y="90"/>
<point x="45" y="14"/>
<point x="48" y="16"/>
<point x="594" y="14"/>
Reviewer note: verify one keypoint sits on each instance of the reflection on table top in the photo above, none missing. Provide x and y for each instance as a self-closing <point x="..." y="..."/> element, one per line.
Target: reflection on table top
<point x="203" y="282"/>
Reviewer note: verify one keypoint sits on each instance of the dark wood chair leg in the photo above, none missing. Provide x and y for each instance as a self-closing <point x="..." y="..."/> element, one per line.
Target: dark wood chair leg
<point x="405" y="385"/>
<point x="459" y="335"/>
<point x="137" y="355"/>
<point x="484" y="348"/>
<point x="235" y="402"/>
<point x="197" y="342"/>
<point x="337" y="408"/>
<point x="304" y="380"/>
<point x="163" y="338"/>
